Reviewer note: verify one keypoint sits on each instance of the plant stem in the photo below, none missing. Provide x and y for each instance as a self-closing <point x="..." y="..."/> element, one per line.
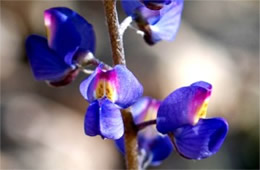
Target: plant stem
<point x="119" y="58"/>
<point x="145" y="124"/>
<point x="130" y="140"/>
<point x="113" y="27"/>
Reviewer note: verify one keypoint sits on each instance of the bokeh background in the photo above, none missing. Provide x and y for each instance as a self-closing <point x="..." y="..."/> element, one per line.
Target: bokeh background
<point x="218" y="42"/>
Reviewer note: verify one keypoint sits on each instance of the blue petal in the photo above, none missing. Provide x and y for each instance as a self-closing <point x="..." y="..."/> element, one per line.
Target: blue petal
<point x="129" y="89"/>
<point x="111" y="123"/>
<point x="203" y="84"/>
<point x="161" y="148"/>
<point x="68" y="78"/>
<point x="120" y="144"/>
<point x="167" y="27"/>
<point x="45" y="63"/>
<point x="130" y="6"/>
<point x="68" y="31"/>
<point x="158" y="148"/>
<point x="180" y="108"/>
<point x="158" y="1"/>
<point x="87" y="86"/>
<point x="91" y="123"/>
<point x="156" y="4"/>
<point x="125" y="88"/>
<point x="140" y="108"/>
<point x="202" y="140"/>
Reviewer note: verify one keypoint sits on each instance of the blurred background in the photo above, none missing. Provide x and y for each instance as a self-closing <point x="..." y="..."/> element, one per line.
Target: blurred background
<point x="218" y="42"/>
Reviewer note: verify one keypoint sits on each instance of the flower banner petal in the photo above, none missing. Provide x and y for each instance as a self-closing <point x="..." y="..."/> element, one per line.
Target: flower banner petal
<point x="67" y="31"/>
<point x="180" y="108"/>
<point x="118" y="85"/>
<point x="203" y="84"/>
<point x="128" y="88"/>
<point x="87" y="87"/>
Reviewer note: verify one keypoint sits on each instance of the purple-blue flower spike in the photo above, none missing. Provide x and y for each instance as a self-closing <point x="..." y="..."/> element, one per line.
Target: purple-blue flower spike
<point x="52" y="59"/>
<point x="182" y="114"/>
<point x="157" y="25"/>
<point x="152" y="146"/>
<point x="108" y="91"/>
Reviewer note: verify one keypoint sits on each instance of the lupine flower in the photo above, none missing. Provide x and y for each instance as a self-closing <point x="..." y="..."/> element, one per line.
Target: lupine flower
<point x="157" y="25"/>
<point x="153" y="147"/>
<point x="155" y="4"/>
<point x="108" y="91"/>
<point x="53" y="59"/>
<point x="182" y="114"/>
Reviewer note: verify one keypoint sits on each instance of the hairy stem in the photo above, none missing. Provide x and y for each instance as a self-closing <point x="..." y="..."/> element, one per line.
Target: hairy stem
<point x="130" y="140"/>
<point x="119" y="58"/>
<point x="115" y="36"/>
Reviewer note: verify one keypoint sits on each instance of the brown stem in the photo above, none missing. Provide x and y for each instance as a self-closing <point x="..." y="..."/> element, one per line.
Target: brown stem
<point x="113" y="27"/>
<point x="130" y="140"/>
<point x="145" y="124"/>
<point x="119" y="58"/>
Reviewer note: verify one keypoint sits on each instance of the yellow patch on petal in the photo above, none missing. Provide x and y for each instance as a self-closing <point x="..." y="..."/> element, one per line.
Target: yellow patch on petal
<point x="103" y="89"/>
<point x="100" y="92"/>
<point x="202" y="112"/>
<point x="48" y="32"/>
<point x="110" y="92"/>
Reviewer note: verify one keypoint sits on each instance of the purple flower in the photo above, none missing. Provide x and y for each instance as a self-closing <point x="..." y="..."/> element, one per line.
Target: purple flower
<point x="108" y="91"/>
<point x="53" y="59"/>
<point x="153" y="147"/>
<point x="155" y="4"/>
<point x="183" y="113"/>
<point x="157" y="25"/>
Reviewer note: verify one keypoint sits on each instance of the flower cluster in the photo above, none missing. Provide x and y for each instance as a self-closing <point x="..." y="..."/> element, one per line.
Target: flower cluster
<point x="153" y="147"/>
<point x="180" y="120"/>
<point x="177" y="123"/>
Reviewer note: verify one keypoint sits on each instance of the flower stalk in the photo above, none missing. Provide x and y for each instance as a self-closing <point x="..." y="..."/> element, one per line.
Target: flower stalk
<point x="145" y="124"/>
<point x="130" y="140"/>
<point x="113" y="28"/>
<point x="119" y="58"/>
